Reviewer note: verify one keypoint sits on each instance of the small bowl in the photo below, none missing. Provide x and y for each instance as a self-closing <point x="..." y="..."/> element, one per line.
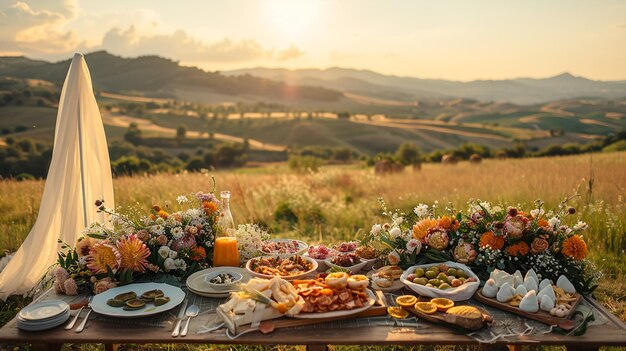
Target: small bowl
<point x="237" y="277"/>
<point x="353" y="269"/>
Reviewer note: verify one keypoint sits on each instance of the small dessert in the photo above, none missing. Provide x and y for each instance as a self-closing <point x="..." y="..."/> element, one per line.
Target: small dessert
<point x="566" y="285"/>
<point x="530" y="283"/>
<point x="442" y="304"/>
<point x="544" y="283"/>
<point x="506" y="293"/>
<point x="397" y="312"/>
<point x="426" y="307"/>
<point x="529" y="302"/>
<point x="382" y="280"/>
<point x="490" y="289"/>
<point x="406" y="300"/>
<point x="358" y="282"/>
<point x="393" y="271"/>
<point x="337" y="281"/>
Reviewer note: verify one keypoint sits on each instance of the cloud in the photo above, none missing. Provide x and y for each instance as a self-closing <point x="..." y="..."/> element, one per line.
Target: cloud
<point x="29" y="27"/>
<point x="181" y="45"/>
<point x="289" y="53"/>
<point x="40" y="28"/>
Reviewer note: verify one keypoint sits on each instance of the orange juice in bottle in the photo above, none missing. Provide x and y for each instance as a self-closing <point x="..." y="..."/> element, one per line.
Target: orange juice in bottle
<point x="225" y="252"/>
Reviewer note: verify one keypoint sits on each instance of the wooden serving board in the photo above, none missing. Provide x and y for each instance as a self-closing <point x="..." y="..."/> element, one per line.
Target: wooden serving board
<point x="443" y="318"/>
<point x="378" y="309"/>
<point x="542" y="316"/>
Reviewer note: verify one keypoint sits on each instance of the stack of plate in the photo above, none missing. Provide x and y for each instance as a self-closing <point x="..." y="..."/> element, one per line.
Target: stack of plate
<point x="43" y="315"/>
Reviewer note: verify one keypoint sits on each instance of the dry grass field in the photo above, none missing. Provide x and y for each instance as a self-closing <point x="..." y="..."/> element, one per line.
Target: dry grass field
<point x="338" y="202"/>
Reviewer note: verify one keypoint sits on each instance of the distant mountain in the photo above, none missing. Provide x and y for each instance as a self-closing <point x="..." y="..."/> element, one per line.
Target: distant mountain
<point x="158" y="76"/>
<point x="519" y="91"/>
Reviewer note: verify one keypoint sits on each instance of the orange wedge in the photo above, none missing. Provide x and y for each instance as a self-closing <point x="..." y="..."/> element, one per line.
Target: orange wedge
<point x="442" y="304"/>
<point x="397" y="312"/>
<point x="426" y="307"/>
<point x="406" y="300"/>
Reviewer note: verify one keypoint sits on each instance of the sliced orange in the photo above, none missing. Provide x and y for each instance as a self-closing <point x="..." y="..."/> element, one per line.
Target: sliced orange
<point x="397" y="312"/>
<point x="442" y="304"/>
<point x="426" y="307"/>
<point x="406" y="300"/>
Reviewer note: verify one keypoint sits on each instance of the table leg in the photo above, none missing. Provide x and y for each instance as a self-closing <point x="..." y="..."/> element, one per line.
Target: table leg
<point x="46" y="347"/>
<point x="514" y="347"/>
<point x="111" y="347"/>
<point x="316" y="347"/>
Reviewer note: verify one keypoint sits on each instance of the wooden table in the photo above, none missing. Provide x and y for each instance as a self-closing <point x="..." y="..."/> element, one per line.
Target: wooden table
<point x="610" y="334"/>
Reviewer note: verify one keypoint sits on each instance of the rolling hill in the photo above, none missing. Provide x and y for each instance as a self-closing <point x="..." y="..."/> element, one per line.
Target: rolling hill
<point x="519" y="91"/>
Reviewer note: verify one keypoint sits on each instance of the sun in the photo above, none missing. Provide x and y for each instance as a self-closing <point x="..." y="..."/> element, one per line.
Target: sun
<point x="292" y="17"/>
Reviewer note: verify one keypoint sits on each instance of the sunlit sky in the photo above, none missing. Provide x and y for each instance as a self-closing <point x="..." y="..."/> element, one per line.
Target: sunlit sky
<point x="460" y="40"/>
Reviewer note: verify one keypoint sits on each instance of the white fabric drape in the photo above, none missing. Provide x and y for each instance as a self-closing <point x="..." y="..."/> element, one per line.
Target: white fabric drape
<point x="79" y="174"/>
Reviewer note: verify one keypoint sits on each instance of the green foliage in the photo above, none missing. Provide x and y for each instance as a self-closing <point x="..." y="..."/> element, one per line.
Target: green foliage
<point x="408" y="154"/>
<point x="616" y="146"/>
<point x="133" y="134"/>
<point x="305" y="163"/>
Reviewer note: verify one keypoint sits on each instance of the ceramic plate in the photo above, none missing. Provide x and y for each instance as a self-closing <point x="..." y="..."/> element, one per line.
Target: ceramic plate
<point x="198" y="285"/>
<point x="43" y="325"/>
<point x="99" y="303"/>
<point x="397" y="284"/>
<point x="289" y="277"/>
<point x="44" y="310"/>
<point x="334" y="314"/>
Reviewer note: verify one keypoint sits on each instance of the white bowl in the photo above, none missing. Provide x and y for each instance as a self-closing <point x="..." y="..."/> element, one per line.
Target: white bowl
<point x="460" y="293"/>
<point x="290" y="277"/>
<point x="302" y="248"/>
<point x="353" y="269"/>
<point x="369" y="263"/>
<point x="225" y="286"/>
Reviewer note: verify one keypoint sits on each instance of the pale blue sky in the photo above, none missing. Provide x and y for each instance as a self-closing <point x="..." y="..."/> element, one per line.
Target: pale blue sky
<point x="460" y="40"/>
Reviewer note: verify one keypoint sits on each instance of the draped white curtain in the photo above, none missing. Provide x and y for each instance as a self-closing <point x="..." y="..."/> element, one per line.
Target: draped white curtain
<point x="79" y="174"/>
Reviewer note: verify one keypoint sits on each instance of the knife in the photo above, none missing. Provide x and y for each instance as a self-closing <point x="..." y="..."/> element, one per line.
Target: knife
<point x="179" y="318"/>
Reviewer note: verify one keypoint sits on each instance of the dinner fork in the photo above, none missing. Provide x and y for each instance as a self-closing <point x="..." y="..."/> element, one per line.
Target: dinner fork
<point x="70" y="325"/>
<point x="81" y="326"/>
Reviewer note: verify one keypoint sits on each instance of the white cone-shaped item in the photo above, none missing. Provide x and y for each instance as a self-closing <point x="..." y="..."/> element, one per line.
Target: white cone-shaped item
<point x="490" y="289"/>
<point x="566" y="285"/>
<point x="518" y="279"/>
<point x="506" y="292"/>
<point x="79" y="174"/>
<point x="547" y="303"/>
<point x="529" y="302"/>
<point x="548" y="292"/>
<point x="530" y="284"/>
<point x="532" y="274"/>
<point x="544" y="283"/>
<point x="521" y="290"/>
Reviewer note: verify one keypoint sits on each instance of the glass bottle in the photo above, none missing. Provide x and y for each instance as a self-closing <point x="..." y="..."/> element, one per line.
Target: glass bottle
<point x="225" y="252"/>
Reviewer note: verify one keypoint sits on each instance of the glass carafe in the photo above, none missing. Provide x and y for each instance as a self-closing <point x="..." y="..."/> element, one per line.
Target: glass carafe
<point x="225" y="252"/>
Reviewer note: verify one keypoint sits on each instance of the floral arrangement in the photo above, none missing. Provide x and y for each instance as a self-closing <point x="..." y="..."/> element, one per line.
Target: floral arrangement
<point x="250" y="239"/>
<point x="486" y="237"/>
<point x="176" y="243"/>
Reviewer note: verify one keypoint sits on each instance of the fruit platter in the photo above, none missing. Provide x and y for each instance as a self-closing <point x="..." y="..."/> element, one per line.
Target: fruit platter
<point x="451" y="280"/>
<point x="292" y="267"/>
<point x="442" y="310"/>
<point x="544" y="301"/>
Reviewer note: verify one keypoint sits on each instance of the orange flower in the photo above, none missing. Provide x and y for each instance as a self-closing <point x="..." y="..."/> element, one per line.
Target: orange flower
<point x="521" y="248"/>
<point x="198" y="253"/>
<point x="163" y="214"/>
<point x="152" y="217"/>
<point x="542" y="223"/>
<point x="156" y="208"/>
<point x="575" y="247"/>
<point x="133" y="252"/>
<point x="420" y="229"/>
<point x="448" y="223"/>
<point x="495" y="242"/>
<point x="209" y="207"/>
